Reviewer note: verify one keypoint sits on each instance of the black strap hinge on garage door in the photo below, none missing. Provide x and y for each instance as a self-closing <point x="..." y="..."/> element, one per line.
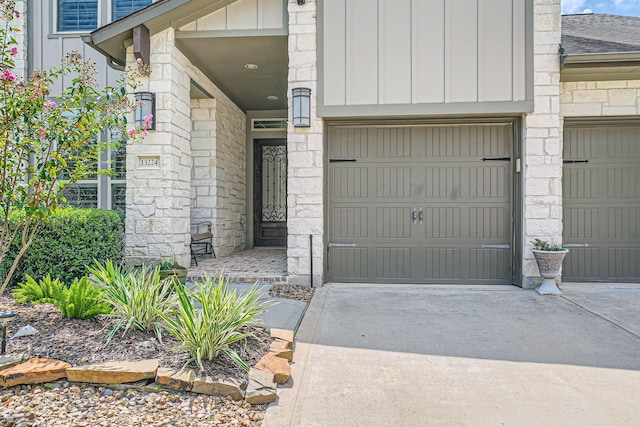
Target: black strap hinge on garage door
<point x="575" y="161"/>
<point x="342" y="160"/>
<point x="496" y="159"/>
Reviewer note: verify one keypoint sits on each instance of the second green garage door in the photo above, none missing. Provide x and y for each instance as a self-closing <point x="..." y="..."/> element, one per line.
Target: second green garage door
<point x="420" y="204"/>
<point x="601" y="193"/>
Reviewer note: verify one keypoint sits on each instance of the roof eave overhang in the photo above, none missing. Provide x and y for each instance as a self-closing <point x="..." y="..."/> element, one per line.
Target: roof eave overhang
<point x="591" y="60"/>
<point x="111" y="40"/>
<point x="601" y="66"/>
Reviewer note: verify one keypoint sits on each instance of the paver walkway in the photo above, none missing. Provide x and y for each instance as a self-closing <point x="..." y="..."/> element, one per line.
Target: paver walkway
<point x="481" y="356"/>
<point x="266" y="265"/>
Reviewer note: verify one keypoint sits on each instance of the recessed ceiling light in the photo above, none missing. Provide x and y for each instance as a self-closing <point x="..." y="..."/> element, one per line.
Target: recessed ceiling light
<point x="251" y="66"/>
<point x="272" y="98"/>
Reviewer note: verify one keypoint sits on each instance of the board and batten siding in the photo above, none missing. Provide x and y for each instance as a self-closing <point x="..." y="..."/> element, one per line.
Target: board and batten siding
<point x="408" y="57"/>
<point x="47" y="47"/>
<point x="243" y="15"/>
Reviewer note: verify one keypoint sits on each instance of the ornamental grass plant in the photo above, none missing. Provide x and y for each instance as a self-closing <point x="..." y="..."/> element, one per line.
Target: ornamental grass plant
<point x="136" y="296"/>
<point x="210" y="316"/>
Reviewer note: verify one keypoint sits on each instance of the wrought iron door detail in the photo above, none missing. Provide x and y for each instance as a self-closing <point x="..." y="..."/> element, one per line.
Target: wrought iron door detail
<point x="274" y="183"/>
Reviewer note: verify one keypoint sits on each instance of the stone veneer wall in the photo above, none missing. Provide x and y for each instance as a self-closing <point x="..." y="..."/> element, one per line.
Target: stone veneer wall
<point x="305" y="153"/>
<point x="157" y="217"/>
<point x="203" y="156"/>
<point x="20" y="61"/>
<point x="542" y="193"/>
<point x="159" y="199"/>
<point x="219" y="174"/>
<point x="21" y="66"/>
<point x="231" y="178"/>
<point x="606" y="98"/>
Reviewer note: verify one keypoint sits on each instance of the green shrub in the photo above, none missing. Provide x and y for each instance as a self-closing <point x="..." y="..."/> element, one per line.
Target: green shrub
<point x="68" y="240"/>
<point x="205" y="332"/>
<point x="82" y="300"/>
<point x="137" y="296"/>
<point x="46" y="290"/>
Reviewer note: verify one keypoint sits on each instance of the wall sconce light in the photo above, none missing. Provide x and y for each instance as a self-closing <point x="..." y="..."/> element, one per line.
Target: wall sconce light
<point x="300" y="2"/>
<point x="146" y="103"/>
<point x="5" y="317"/>
<point x="301" y="107"/>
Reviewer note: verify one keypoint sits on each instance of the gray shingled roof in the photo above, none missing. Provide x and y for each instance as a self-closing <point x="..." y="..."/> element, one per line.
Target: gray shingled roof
<point x="600" y="33"/>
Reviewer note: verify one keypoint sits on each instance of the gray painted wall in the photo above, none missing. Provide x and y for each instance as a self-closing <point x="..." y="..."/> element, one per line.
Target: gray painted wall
<point x="243" y="15"/>
<point x="47" y="47"/>
<point x="394" y="53"/>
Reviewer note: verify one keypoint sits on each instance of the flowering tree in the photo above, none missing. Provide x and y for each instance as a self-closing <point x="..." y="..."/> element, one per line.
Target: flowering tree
<point x="47" y="144"/>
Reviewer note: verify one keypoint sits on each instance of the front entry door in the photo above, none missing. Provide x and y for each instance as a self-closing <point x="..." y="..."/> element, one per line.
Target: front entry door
<point x="270" y="195"/>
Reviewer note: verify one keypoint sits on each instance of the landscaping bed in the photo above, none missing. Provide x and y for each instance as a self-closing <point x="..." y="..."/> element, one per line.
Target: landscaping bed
<point x="83" y="342"/>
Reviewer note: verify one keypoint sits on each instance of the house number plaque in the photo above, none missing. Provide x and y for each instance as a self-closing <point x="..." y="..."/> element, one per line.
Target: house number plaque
<point x="149" y="162"/>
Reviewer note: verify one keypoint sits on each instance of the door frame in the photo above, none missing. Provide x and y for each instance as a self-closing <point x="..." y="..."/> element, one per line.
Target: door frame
<point x="257" y="192"/>
<point x="517" y="181"/>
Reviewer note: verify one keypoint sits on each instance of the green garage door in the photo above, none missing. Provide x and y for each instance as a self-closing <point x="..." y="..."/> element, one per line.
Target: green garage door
<point x="420" y="204"/>
<point x="601" y="193"/>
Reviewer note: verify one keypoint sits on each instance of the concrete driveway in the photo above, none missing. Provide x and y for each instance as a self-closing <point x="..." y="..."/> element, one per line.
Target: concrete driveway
<point x="399" y="355"/>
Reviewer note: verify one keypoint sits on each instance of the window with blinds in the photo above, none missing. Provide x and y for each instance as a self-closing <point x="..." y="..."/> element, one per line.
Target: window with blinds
<point x="77" y="15"/>
<point x="122" y="8"/>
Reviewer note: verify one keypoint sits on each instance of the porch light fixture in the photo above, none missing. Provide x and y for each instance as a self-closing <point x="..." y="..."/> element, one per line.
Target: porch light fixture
<point x="300" y="2"/>
<point x="5" y="317"/>
<point x="146" y="103"/>
<point x="301" y="107"/>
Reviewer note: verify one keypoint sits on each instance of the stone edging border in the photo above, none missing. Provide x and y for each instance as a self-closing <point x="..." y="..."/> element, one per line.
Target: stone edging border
<point x="271" y="370"/>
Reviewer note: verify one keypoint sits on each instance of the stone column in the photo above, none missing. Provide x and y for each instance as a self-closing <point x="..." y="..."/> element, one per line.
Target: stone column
<point x="543" y="140"/>
<point x="159" y="168"/>
<point x="305" y="150"/>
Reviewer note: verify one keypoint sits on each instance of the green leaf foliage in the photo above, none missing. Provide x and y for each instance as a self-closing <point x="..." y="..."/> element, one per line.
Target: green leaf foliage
<point x="82" y="300"/>
<point x="67" y="241"/>
<point x="544" y="245"/>
<point x="137" y="296"/>
<point x="47" y="290"/>
<point x="210" y="317"/>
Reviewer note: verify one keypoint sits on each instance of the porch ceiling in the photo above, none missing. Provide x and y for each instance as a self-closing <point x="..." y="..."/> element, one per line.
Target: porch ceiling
<point x="223" y="60"/>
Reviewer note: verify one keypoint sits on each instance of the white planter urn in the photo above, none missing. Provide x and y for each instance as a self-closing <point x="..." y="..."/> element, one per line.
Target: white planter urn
<point x="549" y="264"/>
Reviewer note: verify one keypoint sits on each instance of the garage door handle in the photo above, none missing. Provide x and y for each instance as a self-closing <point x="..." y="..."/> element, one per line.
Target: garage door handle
<point x="421" y="216"/>
<point x="576" y="245"/>
<point x="414" y="215"/>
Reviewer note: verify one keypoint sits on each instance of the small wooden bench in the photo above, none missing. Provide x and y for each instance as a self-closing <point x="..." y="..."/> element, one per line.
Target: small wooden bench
<point x="202" y="240"/>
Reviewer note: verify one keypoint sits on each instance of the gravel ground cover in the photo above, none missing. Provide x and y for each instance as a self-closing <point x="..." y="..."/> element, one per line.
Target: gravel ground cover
<point x="82" y="342"/>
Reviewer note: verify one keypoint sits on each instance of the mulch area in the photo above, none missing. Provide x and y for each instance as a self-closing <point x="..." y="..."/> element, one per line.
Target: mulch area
<point x="81" y="342"/>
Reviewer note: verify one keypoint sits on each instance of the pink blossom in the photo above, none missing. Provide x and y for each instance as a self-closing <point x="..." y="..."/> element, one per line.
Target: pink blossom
<point x="14" y="51"/>
<point x="131" y="133"/>
<point x="139" y="62"/>
<point x="145" y="133"/>
<point x="43" y="133"/>
<point x="8" y="76"/>
<point x="148" y="118"/>
<point x="49" y="105"/>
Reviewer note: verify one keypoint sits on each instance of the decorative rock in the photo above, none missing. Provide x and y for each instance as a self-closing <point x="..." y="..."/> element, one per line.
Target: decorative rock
<point x="278" y="366"/>
<point x="261" y="388"/>
<point x="114" y="372"/>
<point x="282" y="349"/>
<point x="10" y="360"/>
<point x="174" y="379"/>
<point x="219" y="387"/>
<point x="25" y="331"/>
<point x="283" y="334"/>
<point x="33" y="371"/>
